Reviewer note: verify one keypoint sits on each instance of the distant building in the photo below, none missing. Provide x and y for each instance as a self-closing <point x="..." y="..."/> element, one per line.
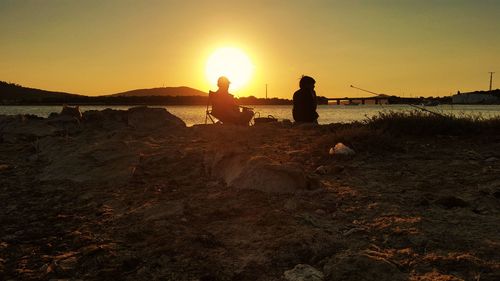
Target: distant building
<point x="478" y="97"/>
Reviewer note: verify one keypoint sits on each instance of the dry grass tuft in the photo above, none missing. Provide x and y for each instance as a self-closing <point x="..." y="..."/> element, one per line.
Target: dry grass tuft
<point x="419" y="123"/>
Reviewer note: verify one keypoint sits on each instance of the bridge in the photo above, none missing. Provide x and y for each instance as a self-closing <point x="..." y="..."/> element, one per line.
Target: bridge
<point x="356" y="100"/>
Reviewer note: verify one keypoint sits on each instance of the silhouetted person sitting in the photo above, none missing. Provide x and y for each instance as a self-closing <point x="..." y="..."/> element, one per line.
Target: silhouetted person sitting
<point x="224" y="106"/>
<point x="304" y="101"/>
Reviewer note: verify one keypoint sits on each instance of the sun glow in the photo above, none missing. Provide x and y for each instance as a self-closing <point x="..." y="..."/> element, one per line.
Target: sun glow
<point x="232" y="63"/>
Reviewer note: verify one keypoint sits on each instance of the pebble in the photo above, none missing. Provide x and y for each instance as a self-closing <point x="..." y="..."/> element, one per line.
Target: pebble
<point x="497" y="194"/>
<point x="449" y="202"/>
<point x="320" y="212"/>
<point x="212" y="184"/>
<point x="322" y="170"/>
<point x="352" y="231"/>
<point x="290" y="205"/>
<point x="481" y="210"/>
<point x="341" y="149"/>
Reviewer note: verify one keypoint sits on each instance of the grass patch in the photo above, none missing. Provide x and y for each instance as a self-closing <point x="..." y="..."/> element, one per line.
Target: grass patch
<point x="385" y="131"/>
<point x="357" y="136"/>
<point x="420" y="123"/>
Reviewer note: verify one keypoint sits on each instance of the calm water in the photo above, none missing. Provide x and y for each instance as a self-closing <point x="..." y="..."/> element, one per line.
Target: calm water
<point x="327" y="113"/>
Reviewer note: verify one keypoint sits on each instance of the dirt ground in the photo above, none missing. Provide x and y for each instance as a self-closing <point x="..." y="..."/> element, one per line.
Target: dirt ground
<point x="98" y="200"/>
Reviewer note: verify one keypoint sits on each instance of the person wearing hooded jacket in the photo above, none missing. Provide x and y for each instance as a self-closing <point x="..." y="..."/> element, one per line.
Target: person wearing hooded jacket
<point x="304" y="101"/>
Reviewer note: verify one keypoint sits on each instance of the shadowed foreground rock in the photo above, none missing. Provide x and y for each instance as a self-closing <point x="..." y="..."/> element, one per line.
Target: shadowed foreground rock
<point x="243" y="171"/>
<point x="136" y="195"/>
<point x="99" y="148"/>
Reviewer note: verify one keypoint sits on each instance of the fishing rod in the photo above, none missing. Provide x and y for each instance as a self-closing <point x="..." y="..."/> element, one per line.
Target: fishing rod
<point x="377" y="94"/>
<point x="412" y="105"/>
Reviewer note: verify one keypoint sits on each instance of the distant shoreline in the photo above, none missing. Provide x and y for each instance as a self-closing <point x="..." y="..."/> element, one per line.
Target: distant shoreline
<point x="13" y="94"/>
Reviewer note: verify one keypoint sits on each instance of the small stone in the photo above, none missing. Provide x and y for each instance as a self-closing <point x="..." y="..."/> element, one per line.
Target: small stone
<point x="295" y="153"/>
<point x="422" y="202"/>
<point x="497" y="194"/>
<point x="491" y="159"/>
<point x="418" y="240"/>
<point x="481" y="210"/>
<point x="141" y="271"/>
<point x="352" y="231"/>
<point x="68" y="264"/>
<point x="449" y="202"/>
<point x="130" y="263"/>
<point x="212" y="184"/>
<point x="484" y="190"/>
<point x="320" y="212"/>
<point x="33" y="158"/>
<point x="322" y="170"/>
<point x="303" y="272"/>
<point x="290" y="205"/>
<point x="341" y="149"/>
<point x="4" y="167"/>
<point x="350" y="267"/>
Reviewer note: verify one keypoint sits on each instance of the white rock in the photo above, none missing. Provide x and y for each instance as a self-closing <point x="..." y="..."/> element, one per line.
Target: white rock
<point x="341" y="149"/>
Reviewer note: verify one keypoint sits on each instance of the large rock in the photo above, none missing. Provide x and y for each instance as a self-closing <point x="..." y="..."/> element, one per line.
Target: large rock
<point x="261" y="173"/>
<point x="68" y="120"/>
<point x="25" y="128"/>
<point x="103" y="149"/>
<point x="241" y="171"/>
<point x="140" y="118"/>
<point x="83" y="160"/>
<point x="226" y="164"/>
<point x="107" y="119"/>
<point x="71" y="111"/>
<point x="145" y="118"/>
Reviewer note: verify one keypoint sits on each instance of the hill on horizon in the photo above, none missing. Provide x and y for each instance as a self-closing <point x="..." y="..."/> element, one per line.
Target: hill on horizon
<point x="182" y="91"/>
<point x="12" y="91"/>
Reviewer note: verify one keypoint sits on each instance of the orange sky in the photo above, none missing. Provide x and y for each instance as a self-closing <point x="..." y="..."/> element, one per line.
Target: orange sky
<point x="408" y="48"/>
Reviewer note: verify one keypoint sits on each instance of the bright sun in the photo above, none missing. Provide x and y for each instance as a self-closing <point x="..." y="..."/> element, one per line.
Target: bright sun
<point x="232" y="63"/>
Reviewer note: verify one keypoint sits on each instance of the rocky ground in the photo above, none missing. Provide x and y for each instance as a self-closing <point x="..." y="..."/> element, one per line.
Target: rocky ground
<point x="135" y="195"/>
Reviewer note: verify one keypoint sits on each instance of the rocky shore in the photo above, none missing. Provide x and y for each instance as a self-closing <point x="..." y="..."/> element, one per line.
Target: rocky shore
<point x="137" y="195"/>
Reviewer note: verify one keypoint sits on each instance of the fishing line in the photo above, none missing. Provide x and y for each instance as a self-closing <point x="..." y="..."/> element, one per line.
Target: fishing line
<point x="412" y="105"/>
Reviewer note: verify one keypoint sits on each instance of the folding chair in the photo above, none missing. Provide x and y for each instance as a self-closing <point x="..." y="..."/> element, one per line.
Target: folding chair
<point x="208" y="111"/>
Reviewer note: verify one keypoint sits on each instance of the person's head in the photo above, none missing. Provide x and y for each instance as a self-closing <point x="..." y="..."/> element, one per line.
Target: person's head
<point x="223" y="83"/>
<point x="307" y="82"/>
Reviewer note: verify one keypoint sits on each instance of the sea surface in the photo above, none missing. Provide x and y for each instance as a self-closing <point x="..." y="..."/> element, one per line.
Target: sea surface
<point x="195" y="114"/>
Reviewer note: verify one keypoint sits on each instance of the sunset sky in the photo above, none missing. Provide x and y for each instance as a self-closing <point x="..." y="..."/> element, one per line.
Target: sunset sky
<point x="401" y="47"/>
